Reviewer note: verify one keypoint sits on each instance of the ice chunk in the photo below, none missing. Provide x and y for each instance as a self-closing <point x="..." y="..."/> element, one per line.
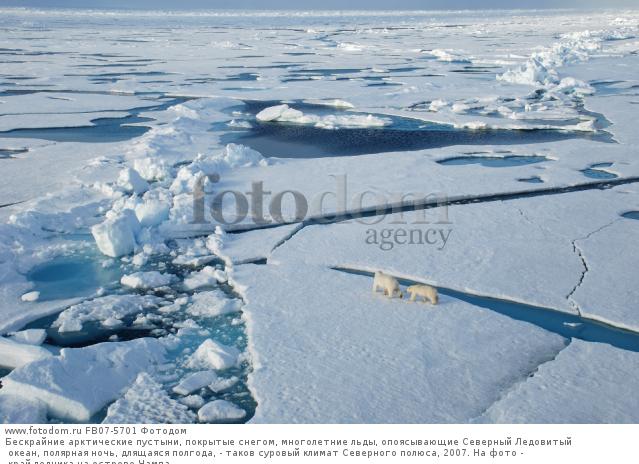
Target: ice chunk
<point x="533" y="72"/>
<point x="130" y="181"/>
<point x="211" y="304"/>
<point x="152" y="168"/>
<point x="220" y="410"/>
<point x="273" y="113"/>
<point x="14" y="354"/>
<point x="282" y="113"/>
<point x="18" y="410"/>
<point x="31" y="296"/>
<point x="146" y="402"/>
<point x="213" y="355"/>
<point x="109" y="310"/>
<point x="223" y="384"/>
<point x="207" y="277"/>
<point x="81" y="381"/>
<point x="29" y="336"/>
<point x="146" y="280"/>
<point x="154" y="207"/>
<point x="192" y="401"/>
<point x="195" y="381"/>
<point x="116" y="236"/>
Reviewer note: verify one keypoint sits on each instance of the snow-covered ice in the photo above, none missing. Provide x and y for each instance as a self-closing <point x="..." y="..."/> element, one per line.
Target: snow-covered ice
<point x="146" y="280"/>
<point x="195" y="381"/>
<point x="146" y="402"/>
<point x="80" y="381"/>
<point x="107" y="310"/>
<point x="213" y="355"/>
<point x="140" y="172"/>
<point x="574" y="388"/>
<point x="212" y="303"/>
<point x="16" y="409"/>
<point x="220" y="411"/>
<point x="14" y="354"/>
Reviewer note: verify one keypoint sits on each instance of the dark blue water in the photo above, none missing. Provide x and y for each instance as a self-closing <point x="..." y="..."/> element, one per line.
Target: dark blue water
<point x="564" y="324"/>
<point x="6" y="153"/>
<point x="532" y="180"/>
<point x="285" y="140"/>
<point x="101" y="130"/>
<point x="631" y="215"/>
<point x="494" y="161"/>
<point x="594" y="172"/>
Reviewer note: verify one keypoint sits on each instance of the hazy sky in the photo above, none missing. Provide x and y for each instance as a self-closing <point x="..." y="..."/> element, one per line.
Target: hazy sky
<point x="323" y="4"/>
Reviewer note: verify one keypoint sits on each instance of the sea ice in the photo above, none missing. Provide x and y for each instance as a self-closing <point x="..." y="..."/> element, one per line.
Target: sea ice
<point x="195" y="381"/>
<point x="31" y="296"/>
<point x="146" y="280"/>
<point x="111" y="308"/>
<point x="131" y="181"/>
<point x="220" y="410"/>
<point x="16" y="409"/>
<point x="213" y="355"/>
<point x="587" y="383"/>
<point x="146" y="402"/>
<point x="81" y="381"/>
<point x="14" y="354"/>
<point x="29" y="336"/>
<point x="207" y="277"/>
<point x="116" y="236"/>
<point x="212" y="303"/>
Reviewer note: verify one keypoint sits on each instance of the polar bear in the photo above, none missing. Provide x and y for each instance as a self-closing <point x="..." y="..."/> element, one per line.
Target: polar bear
<point x="387" y="283"/>
<point x="425" y="291"/>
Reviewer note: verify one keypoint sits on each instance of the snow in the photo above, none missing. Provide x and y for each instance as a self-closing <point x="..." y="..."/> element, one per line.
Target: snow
<point x="211" y="304"/>
<point x="587" y="383"/>
<point x="220" y="411"/>
<point x="15" y="409"/>
<point x="130" y="180"/>
<point x="146" y="402"/>
<point x="14" y="354"/>
<point x="29" y="336"/>
<point x="213" y="355"/>
<point x="363" y="358"/>
<point x="108" y="310"/>
<point x="80" y="381"/>
<point x="195" y="381"/>
<point x="146" y="280"/>
<point x="570" y="72"/>
<point x="116" y="236"/>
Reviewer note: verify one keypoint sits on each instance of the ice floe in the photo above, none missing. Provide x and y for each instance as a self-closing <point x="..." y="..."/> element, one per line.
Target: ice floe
<point x="146" y="402"/>
<point x="109" y="311"/>
<point x="213" y="355"/>
<point x="220" y="411"/>
<point x="80" y="381"/>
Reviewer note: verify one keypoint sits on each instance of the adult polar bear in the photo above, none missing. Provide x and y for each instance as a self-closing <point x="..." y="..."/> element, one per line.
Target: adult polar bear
<point x="387" y="283"/>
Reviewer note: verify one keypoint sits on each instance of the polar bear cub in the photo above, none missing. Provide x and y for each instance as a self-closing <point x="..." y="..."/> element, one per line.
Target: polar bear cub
<point x="425" y="291"/>
<point x="387" y="283"/>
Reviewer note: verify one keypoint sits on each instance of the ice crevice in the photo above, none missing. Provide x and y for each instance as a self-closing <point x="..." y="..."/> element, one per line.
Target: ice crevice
<point x="334" y="218"/>
<point x="579" y="252"/>
<point x="525" y="378"/>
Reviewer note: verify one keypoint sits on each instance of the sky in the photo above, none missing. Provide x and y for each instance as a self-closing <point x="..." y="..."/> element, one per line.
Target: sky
<point x="321" y="4"/>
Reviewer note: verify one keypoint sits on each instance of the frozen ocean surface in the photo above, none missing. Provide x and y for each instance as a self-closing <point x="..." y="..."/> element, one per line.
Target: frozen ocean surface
<point x="491" y="154"/>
